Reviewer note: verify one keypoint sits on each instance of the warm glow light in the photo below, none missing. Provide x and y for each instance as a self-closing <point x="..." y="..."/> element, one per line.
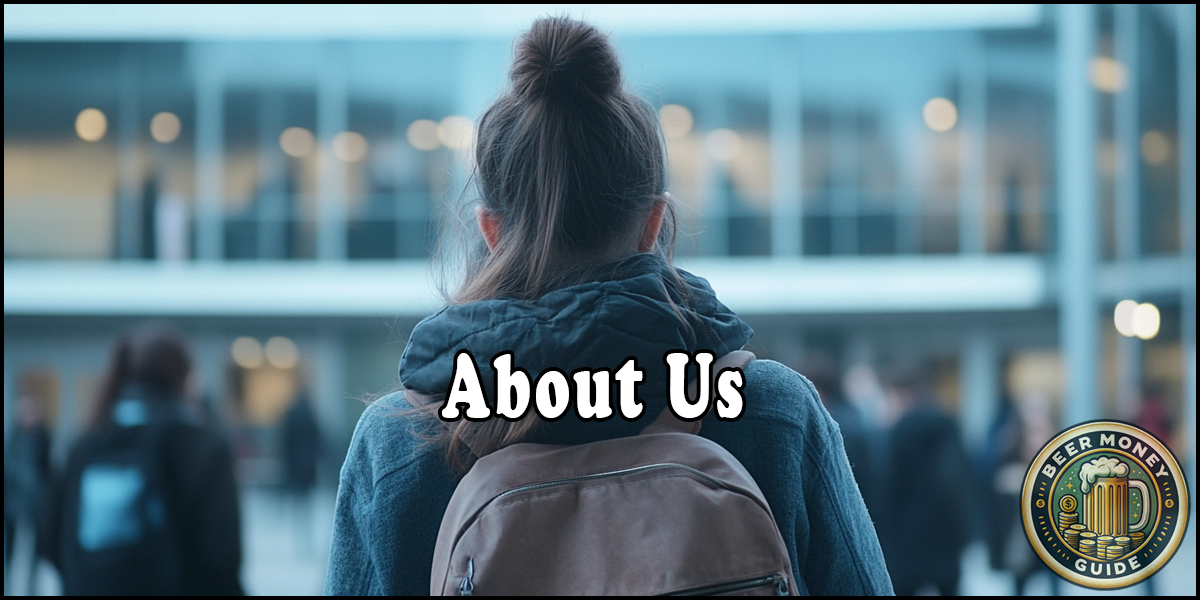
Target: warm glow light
<point x="676" y="120"/>
<point x="1108" y="75"/>
<point x="1146" y="321"/>
<point x="164" y="127"/>
<point x="1156" y="148"/>
<point x="423" y="134"/>
<point x="456" y="132"/>
<point x="723" y="144"/>
<point x="90" y="125"/>
<point x="247" y="353"/>
<point x="282" y="353"/>
<point x="296" y="141"/>
<point x="350" y="146"/>
<point x="1123" y="317"/>
<point x="940" y="114"/>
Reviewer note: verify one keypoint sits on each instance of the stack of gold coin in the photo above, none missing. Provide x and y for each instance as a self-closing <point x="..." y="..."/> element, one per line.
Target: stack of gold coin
<point x="1135" y="540"/>
<point x="1113" y="552"/>
<point x="1102" y="544"/>
<point x="1123" y="541"/>
<point x="1088" y="547"/>
<point x="1067" y="519"/>
<point x="1071" y="537"/>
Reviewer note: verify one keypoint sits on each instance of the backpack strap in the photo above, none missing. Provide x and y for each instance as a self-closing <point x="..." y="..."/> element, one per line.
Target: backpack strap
<point x="667" y="421"/>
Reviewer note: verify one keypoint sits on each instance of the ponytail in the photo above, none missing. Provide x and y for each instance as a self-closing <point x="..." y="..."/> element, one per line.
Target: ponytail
<point x="115" y="378"/>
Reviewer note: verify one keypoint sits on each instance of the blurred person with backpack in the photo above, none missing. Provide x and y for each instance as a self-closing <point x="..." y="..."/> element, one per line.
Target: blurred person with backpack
<point x="148" y="504"/>
<point x="571" y="269"/>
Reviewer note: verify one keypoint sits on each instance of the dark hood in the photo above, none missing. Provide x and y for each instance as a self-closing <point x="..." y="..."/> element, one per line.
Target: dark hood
<point x="628" y="311"/>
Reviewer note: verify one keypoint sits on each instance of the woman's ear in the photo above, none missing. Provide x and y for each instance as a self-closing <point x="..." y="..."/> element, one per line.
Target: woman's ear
<point x="489" y="226"/>
<point x="653" y="224"/>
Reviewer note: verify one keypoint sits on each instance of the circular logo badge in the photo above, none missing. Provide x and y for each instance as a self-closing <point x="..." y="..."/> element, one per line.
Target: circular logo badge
<point x="1104" y="504"/>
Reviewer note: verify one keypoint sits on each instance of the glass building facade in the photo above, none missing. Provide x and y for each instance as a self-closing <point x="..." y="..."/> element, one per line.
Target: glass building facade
<point x="979" y="194"/>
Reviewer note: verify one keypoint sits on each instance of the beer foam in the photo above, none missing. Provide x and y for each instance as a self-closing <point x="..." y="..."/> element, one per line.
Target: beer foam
<point x="1101" y="467"/>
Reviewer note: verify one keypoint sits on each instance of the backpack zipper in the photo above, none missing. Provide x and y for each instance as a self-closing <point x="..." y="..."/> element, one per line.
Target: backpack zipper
<point x="630" y="471"/>
<point x="466" y="587"/>
<point x="779" y="581"/>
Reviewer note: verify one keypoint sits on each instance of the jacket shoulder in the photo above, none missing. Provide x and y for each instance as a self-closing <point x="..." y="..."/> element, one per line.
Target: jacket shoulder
<point x="387" y="439"/>
<point x="775" y="391"/>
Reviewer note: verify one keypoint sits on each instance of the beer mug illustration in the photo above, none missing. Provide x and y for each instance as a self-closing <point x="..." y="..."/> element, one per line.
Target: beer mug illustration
<point x="1106" y="486"/>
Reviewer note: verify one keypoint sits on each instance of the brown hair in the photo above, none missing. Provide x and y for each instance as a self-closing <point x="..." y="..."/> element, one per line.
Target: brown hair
<point x="573" y="164"/>
<point x="154" y="356"/>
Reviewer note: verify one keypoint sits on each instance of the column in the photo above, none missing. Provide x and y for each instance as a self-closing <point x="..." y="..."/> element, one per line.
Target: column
<point x="129" y="184"/>
<point x="329" y="387"/>
<point x="1077" y="220"/>
<point x="211" y="352"/>
<point x="972" y="137"/>
<point x="210" y="157"/>
<point x="332" y="119"/>
<point x="787" y="232"/>
<point x="1126" y="210"/>
<point x="271" y="206"/>
<point x="981" y="381"/>
<point x="844" y="195"/>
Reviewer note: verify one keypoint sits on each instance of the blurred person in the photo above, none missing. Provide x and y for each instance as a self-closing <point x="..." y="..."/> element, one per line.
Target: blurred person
<point x="148" y="504"/>
<point x="26" y="469"/>
<point x="573" y="269"/>
<point x="1020" y="430"/>
<point x="925" y="487"/>
<point x="301" y="445"/>
<point x="301" y="451"/>
<point x="996" y="508"/>
<point x="857" y="432"/>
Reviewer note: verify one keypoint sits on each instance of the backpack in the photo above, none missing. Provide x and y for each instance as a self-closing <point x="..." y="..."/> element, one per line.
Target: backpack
<point x="118" y="536"/>
<point x="666" y="512"/>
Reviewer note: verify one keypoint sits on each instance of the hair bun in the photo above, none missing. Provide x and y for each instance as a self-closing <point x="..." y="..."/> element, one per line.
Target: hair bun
<point x="562" y="58"/>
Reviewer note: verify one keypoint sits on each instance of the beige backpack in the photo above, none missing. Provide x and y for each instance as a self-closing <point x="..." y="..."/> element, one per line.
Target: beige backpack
<point x="666" y="512"/>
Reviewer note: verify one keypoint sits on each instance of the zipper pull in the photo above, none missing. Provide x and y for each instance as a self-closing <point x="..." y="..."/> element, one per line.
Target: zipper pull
<point x="466" y="587"/>
<point x="781" y="588"/>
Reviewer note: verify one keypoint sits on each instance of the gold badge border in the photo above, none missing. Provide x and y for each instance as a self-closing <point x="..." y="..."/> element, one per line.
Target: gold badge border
<point x="1168" y="551"/>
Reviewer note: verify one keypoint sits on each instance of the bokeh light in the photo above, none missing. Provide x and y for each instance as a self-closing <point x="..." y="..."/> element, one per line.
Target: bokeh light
<point x="676" y="120"/>
<point x="1108" y="75"/>
<point x="1123" y="317"/>
<point x="456" y="132"/>
<point x="247" y="352"/>
<point x="350" y="146"/>
<point x="423" y="135"/>
<point x="1156" y="148"/>
<point x="282" y="353"/>
<point x="940" y="114"/>
<point x="91" y="125"/>
<point x="1146" y="321"/>
<point x="164" y="127"/>
<point x="723" y="144"/>
<point x="296" y="142"/>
